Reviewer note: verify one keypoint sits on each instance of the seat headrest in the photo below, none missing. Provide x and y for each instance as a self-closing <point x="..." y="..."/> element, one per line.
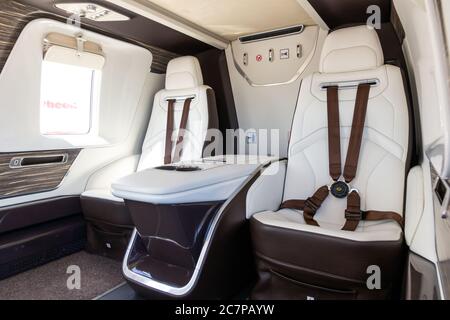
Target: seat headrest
<point x="351" y="49"/>
<point x="183" y="73"/>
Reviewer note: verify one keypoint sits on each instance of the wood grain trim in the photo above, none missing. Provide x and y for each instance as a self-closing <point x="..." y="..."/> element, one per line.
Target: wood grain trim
<point x="40" y="178"/>
<point x="13" y="18"/>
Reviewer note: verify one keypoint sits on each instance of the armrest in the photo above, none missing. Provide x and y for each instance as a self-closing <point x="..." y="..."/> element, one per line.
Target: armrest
<point x="414" y="202"/>
<point x="103" y="178"/>
<point x="266" y="194"/>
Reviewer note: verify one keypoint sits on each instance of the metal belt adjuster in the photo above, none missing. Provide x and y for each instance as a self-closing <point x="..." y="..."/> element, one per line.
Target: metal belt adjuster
<point x="354" y="216"/>
<point x="310" y="204"/>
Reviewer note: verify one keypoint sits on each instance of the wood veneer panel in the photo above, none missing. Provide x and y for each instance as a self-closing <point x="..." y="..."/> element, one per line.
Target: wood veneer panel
<point x="33" y="179"/>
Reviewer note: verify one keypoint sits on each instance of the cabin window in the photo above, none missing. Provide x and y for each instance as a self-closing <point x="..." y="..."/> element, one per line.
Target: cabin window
<point x="70" y="90"/>
<point x="67" y="96"/>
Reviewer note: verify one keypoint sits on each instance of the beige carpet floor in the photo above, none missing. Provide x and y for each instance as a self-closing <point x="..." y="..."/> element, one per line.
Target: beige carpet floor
<point x="49" y="282"/>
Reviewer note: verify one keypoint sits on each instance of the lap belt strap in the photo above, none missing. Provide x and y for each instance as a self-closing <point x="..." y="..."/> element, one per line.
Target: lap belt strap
<point x="309" y="206"/>
<point x="169" y="130"/>
<point x="353" y="213"/>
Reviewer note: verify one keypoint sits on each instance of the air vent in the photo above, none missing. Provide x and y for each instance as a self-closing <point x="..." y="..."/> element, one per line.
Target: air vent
<point x="272" y="34"/>
<point x="92" y="11"/>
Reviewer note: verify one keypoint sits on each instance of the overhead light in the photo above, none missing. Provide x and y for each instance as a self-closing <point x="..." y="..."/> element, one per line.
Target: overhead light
<point x="92" y="11"/>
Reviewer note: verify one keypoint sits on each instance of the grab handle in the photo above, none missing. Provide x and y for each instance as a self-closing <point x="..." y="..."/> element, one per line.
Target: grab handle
<point x="32" y="161"/>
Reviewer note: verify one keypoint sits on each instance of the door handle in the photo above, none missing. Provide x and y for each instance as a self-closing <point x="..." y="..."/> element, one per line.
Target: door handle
<point x="32" y="161"/>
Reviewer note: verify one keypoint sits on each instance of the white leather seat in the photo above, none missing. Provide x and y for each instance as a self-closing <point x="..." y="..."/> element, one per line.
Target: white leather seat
<point x="183" y="80"/>
<point x="351" y="54"/>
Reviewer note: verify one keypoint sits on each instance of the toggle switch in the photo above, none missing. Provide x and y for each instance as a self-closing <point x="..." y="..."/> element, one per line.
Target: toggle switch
<point x="250" y="137"/>
<point x="271" y="55"/>
<point x="245" y="59"/>
<point x="299" y="51"/>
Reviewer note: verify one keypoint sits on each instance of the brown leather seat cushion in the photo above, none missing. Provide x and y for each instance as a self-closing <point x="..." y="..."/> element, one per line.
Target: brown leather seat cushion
<point x="323" y="260"/>
<point x="106" y="211"/>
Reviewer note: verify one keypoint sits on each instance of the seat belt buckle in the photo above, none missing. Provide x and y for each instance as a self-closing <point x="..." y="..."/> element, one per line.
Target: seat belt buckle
<point x="354" y="216"/>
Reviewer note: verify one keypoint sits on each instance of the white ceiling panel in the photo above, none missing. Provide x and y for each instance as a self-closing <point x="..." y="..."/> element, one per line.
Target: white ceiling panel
<point x="231" y="19"/>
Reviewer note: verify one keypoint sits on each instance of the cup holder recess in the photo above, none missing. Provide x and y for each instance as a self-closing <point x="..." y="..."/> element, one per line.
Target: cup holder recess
<point x="179" y="168"/>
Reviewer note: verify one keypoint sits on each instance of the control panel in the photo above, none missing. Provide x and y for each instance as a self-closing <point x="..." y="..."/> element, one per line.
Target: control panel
<point x="275" y="60"/>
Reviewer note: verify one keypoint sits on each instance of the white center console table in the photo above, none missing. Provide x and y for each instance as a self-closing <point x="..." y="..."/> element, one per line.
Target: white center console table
<point x="191" y="238"/>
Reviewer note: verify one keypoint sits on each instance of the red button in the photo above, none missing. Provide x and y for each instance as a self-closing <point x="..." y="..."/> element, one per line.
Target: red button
<point x="259" y="58"/>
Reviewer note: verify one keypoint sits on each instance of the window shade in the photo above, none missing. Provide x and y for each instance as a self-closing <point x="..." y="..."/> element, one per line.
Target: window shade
<point x="73" y="51"/>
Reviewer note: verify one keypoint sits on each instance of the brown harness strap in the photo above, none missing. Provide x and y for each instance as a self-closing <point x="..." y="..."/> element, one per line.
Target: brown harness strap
<point x="359" y="119"/>
<point x="182" y="129"/>
<point x="169" y="131"/>
<point x="309" y="206"/>
<point x="334" y="134"/>
<point x="373" y="215"/>
<point x="353" y="213"/>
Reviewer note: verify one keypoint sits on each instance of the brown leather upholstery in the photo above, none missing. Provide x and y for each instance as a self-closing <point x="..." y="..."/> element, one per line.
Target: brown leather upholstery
<point x="109" y="227"/>
<point x="106" y="211"/>
<point x="301" y="261"/>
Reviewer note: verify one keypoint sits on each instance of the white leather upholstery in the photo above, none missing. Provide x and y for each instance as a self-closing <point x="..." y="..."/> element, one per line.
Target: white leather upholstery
<point x="266" y="193"/>
<point x="351" y="49"/>
<point x="104" y="194"/>
<point x="381" y="171"/>
<point x="161" y="186"/>
<point x="183" y="73"/>
<point x="218" y="178"/>
<point x="183" y="79"/>
<point x="366" y="231"/>
<point x="99" y="185"/>
<point x="415" y="200"/>
<point x="196" y="129"/>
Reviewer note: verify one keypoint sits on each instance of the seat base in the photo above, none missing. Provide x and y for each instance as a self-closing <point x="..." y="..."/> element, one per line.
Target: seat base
<point x="106" y="240"/>
<point x="106" y="211"/>
<point x="109" y="226"/>
<point x="295" y="264"/>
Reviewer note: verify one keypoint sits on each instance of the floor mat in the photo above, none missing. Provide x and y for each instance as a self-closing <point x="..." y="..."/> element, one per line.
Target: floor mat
<point x="121" y="292"/>
<point x="50" y="281"/>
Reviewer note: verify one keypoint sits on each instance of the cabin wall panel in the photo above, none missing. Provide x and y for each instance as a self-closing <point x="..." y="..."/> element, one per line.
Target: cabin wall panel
<point x="270" y="106"/>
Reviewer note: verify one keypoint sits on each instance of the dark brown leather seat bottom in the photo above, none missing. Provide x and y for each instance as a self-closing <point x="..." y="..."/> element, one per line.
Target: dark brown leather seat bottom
<point x="298" y="265"/>
<point x="109" y="226"/>
<point x="106" y="211"/>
